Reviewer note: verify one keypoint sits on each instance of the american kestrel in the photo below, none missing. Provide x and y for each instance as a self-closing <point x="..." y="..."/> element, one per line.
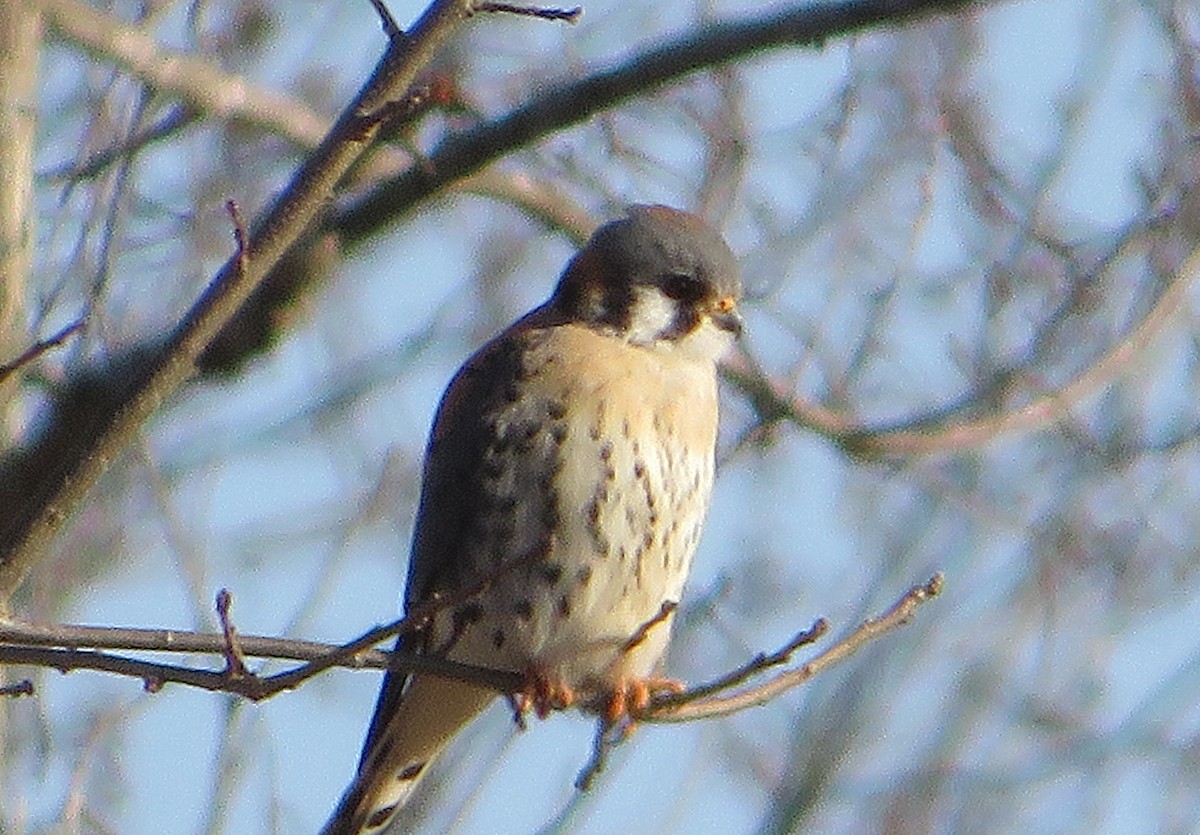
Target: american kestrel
<point x="566" y="481"/>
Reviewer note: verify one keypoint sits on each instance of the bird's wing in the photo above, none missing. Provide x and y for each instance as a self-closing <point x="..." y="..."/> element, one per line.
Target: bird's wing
<point x="451" y="496"/>
<point x="415" y="716"/>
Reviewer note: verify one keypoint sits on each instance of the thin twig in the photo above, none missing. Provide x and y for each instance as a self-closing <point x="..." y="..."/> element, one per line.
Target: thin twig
<point x="610" y="734"/>
<point x="235" y="659"/>
<point x="702" y="703"/>
<point x="24" y="687"/>
<point x="603" y="743"/>
<point x="390" y="27"/>
<point x="643" y="631"/>
<point x="568" y="15"/>
<point x="179" y="117"/>
<point x="758" y="664"/>
<point x="416" y="619"/>
<point x="239" y="234"/>
<point x="38" y="348"/>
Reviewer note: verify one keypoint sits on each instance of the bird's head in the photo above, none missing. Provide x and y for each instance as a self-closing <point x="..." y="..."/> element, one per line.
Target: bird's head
<point x="658" y="277"/>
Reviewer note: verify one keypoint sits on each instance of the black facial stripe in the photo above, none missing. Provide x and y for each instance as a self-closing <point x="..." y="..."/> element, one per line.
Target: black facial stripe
<point x="618" y="305"/>
<point x="687" y="318"/>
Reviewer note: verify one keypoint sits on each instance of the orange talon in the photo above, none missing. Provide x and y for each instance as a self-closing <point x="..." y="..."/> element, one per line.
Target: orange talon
<point x="558" y="695"/>
<point x="615" y="710"/>
<point x="630" y="698"/>
<point x="541" y="693"/>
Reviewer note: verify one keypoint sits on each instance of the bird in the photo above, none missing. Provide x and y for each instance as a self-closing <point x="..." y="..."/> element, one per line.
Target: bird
<point x="565" y="485"/>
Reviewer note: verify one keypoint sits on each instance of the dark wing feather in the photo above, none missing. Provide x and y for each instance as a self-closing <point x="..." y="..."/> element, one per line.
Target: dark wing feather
<point x="450" y="488"/>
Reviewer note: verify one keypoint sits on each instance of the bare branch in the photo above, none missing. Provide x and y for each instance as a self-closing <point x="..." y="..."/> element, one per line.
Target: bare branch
<point x="602" y="745"/>
<point x="24" y="687"/>
<point x="235" y="657"/>
<point x="758" y="664"/>
<point x="59" y="647"/>
<point x="701" y="703"/>
<point x="193" y="79"/>
<point x="177" y="119"/>
<point x="390" y="27"/>
<point x="704" y="701"/>
<point x="415" y="620"/>
<point x="573" y="102"/>
<point x="319" y="657"/>
<point x="568" y="15"/>
<point x="929" y="436"/>
<point x="644" y="630"/>
<point x="38" y="647"/>
<point x="609" y="733"/>
<point x="38" y="348"/>
<point x="28" y="532"/>
<point x="73" y="636"/>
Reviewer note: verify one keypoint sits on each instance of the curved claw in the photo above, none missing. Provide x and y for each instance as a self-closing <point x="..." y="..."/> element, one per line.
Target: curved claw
<point x="630" y="697"/>
<point x="542" y="693"/>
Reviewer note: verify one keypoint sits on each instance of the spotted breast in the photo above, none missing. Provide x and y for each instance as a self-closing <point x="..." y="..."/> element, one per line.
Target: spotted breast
<point x="565" y="487"/>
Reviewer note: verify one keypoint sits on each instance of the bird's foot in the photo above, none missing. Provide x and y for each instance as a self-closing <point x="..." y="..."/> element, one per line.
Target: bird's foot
<point x="629" y="698"/>
<point x="541" y="693"/>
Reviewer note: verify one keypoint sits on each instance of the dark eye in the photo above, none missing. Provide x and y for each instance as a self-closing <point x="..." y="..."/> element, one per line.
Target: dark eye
<point x="682" y="287"/>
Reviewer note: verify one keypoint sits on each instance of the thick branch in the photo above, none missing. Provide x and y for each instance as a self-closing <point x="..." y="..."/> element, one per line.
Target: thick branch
<point x="30" y="531"/>
<point x="567" y="104"/>
<point x="570" y="103"/>
<point x="20" y="41"/>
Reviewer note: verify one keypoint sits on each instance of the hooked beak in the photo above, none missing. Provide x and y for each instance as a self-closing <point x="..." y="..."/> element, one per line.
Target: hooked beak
<point x="726" y="317"/>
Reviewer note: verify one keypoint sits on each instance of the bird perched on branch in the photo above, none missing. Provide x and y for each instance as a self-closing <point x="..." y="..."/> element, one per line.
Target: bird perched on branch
<point x="566" y="481"/>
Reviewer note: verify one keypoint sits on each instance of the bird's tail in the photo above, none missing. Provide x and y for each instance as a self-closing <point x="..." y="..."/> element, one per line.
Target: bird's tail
<point x="424" y="720"/>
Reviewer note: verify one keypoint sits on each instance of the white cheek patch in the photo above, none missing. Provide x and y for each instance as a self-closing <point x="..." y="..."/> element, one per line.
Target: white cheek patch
<point x="652" y="317"/>
<point x="653" y="321"/>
